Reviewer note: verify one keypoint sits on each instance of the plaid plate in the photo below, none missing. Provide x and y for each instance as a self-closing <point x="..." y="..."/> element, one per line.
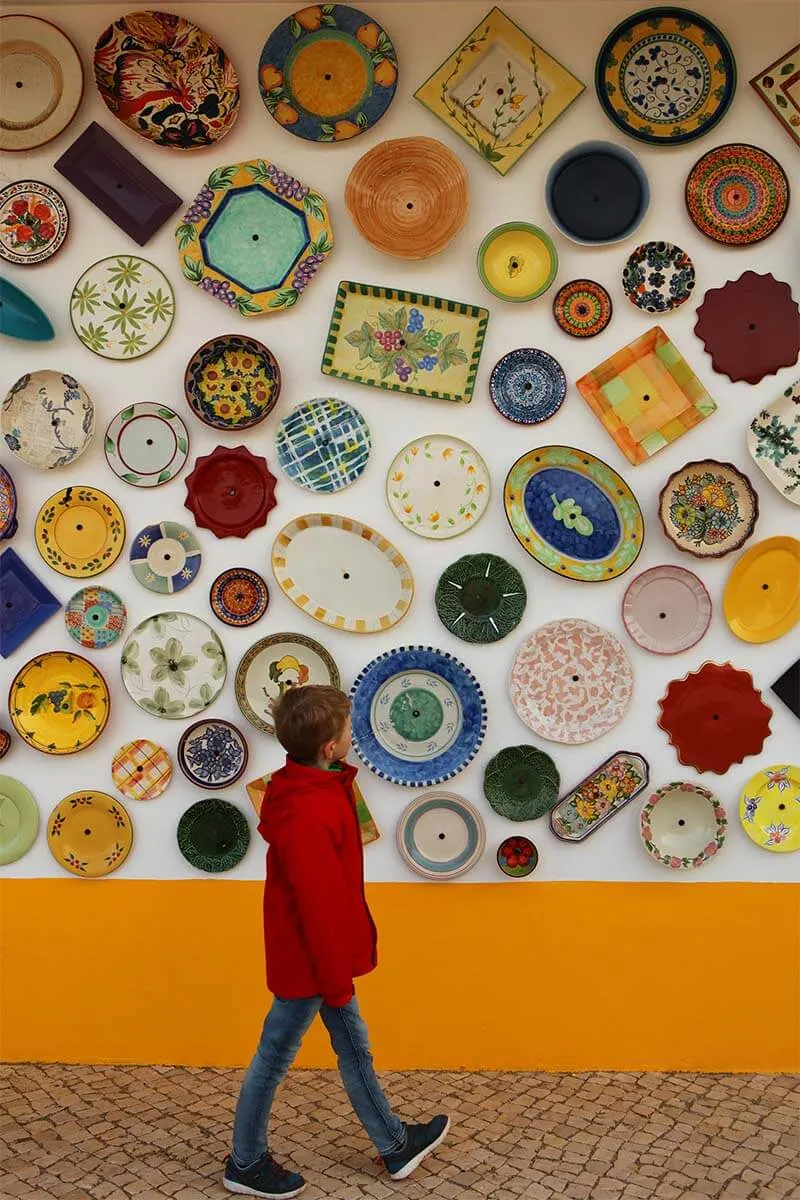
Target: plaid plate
<point x="141" y="770"/>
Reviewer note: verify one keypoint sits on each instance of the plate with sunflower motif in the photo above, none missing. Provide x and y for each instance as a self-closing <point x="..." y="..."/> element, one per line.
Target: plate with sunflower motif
<point x="59" y="703"/>
<point x="213" y="835"/>
<point x="80" y="531"/>
<point x="95" y="617"/>
<point x="521" y="783"/>
<point x="527" y="386"/>
<point x="328" y="72"/>
<point x="90" y="834"/>
<point x="419" y="716"/>
<point x="212" y="754"/>
<point x="33" y="222"/>
<point x="683" y="825"/>
<point x="658" y="277"/>
<point x="173" y="665"/>
<point x="141" y="769"/>
<point x="440" y="835"/>
<point x="146" y="444"/>
<point x="166" y="557"/>
<point x="273" y="665"/>
<point x="323" y="445"/>
<point x="769" y="808"/>
<point x="665" y="76"/>
<point x="438" y="486"/>
<point x="232" y="382"/>
<point x="239" y="596"/>
<point x="19" y="820"/>
<point x="737" y="194"/>
<point x="122" y="307"/>
<point x="708" y="508"/>
<point x="582" y="308"/>
<point x="480" y="598"/>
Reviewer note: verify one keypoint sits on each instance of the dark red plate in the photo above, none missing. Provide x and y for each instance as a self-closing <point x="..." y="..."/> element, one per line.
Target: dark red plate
<point x="231" y="492"/>
<point x="750" y="327"/>
<point x="714" y="717"/>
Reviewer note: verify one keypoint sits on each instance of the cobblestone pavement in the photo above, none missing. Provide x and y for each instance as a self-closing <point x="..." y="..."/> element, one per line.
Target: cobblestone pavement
<point x="110" y="1133"/>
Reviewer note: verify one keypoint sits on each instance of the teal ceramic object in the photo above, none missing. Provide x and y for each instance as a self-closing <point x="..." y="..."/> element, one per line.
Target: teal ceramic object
<point x="21" y="317"/>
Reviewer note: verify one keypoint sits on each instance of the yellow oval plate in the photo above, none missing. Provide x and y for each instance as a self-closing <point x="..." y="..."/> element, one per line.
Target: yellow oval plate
<point x="89" y="834"/>
<point x="769" y="808"/>
<point x="80" y="532"/>
<point x="59" y="703"/>
<point x="762" y="595"/>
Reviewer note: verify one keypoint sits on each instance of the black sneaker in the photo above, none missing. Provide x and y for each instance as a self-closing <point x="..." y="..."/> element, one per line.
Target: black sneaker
<point x="264" y="1178"/>
<point x="421" y="1140"/>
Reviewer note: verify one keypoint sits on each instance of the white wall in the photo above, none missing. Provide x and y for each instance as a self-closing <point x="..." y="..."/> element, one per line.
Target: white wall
<point x="423" y="35"/>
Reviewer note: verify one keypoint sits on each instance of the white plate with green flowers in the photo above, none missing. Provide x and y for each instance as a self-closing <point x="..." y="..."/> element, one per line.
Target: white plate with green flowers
<point x="173" y="665"/>
<point x="122" y="307"/>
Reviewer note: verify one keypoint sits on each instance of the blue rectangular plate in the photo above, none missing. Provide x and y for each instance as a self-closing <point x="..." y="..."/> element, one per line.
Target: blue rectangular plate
<point x="25" y="602"/>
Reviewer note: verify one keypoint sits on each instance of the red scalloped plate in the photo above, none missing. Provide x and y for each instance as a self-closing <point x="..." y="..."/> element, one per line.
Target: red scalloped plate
<point x="714" y="717"/>
<point x="230" y="491"/>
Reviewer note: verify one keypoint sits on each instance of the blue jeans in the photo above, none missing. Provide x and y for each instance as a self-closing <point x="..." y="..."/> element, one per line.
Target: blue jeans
<point x="284" y="1028"/>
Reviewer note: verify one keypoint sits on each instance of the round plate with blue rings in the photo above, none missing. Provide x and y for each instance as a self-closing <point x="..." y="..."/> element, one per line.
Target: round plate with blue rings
<point x="212" y="754"/>
<point x="323" y="445"/>
<point x="418" y="715"/>
<point x="95" y="617"/>
<point x="165" y="557"/>
<point x="527" y="386"/>
<point x="440" y="836"/>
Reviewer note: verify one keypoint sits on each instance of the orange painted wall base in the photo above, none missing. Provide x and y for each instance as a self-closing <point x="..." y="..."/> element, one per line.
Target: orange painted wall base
<point x="541" y="976"/>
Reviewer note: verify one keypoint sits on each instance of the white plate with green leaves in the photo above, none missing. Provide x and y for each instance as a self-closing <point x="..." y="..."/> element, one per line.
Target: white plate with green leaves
<point x="146" y="444"/>
<point x="122" y="307"/>
<point x="173" y="665"/>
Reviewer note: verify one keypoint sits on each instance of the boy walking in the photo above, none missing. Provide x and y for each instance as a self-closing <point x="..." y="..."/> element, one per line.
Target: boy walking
<point x="319" y="936"/>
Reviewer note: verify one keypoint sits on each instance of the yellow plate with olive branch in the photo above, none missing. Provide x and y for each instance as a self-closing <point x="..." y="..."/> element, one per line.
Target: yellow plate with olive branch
<point x="89" y="834"/>
<point x="59" y="703"/>
<point x="499" y="91"/>
<point x="80" y="532"/>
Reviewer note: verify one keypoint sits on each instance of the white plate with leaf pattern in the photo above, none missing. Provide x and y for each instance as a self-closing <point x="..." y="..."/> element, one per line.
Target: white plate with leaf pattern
<point x="438" y="486"/>
<point x="122" y="307"/>
<point x="173" y="665"/>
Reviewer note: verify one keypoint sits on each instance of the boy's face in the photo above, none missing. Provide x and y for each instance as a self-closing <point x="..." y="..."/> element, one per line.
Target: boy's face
<point x="339" y="748"/>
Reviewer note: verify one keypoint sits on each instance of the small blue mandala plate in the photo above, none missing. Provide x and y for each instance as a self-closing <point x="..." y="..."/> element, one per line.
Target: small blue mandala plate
<point x="323" y="445"/>
<point x="527" y="386"/>
<point x="212" y="754"/>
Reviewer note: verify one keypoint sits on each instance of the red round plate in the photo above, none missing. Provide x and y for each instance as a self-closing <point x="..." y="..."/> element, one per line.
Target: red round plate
<point x="715" y="717"/>
<point x="750" y="326"/>
<point x="231" y="492"/>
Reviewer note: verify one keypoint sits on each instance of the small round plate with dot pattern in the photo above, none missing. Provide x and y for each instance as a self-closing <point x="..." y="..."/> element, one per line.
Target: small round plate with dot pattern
<point x="582" y="308"/>
<point x="239" y="596"/>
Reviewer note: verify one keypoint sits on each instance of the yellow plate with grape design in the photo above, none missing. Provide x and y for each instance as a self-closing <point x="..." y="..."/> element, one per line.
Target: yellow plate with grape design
<point x="89" y="834"/>
<point x="59" y="703"/>
<point x="80" y="532"/>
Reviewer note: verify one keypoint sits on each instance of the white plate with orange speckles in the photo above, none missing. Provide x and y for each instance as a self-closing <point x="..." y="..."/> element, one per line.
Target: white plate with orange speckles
<point x="438" y="486"/>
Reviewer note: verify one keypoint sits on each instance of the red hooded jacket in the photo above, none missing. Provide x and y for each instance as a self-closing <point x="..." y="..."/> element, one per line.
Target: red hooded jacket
<point x="318" y="931"/>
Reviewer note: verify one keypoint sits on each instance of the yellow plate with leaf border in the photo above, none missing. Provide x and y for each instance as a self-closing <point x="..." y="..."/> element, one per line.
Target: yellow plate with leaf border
<point x="80" y="532"/>
<point x="59" y="703"/>
<point x="762" y="595"/>
<point x="89" y="834"/>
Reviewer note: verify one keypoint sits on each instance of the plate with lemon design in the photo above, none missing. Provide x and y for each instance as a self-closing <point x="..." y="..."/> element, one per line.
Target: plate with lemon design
<point x="59" y="703"/>
<point x="232" y="382"/>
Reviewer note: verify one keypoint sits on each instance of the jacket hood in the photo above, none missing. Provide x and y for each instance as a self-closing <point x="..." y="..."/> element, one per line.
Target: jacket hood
<point x="294" y="790"/>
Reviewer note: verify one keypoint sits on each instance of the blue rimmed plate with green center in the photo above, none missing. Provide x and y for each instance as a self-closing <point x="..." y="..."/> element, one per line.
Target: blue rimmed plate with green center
<point x="323" y="445"/>
<point x="573" y="513"/>
<point x="440" y="836"/>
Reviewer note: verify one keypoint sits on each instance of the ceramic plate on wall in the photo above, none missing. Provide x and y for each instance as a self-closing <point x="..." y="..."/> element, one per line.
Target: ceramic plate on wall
<point x="527" y="386"/>
<point x="480" y="598"/>
<point x="80" y="532"/>
<point x="582" y="308"/>
<point x="708" y="508"/>
<point x="8" y="505"/>
<point x="777" y="86"/>
<point x="122" y="307"/>
<point x="323" y="445"/>
<point x="440" y="835"/>
<point x="213" y="835"/>
<point x="89" y="834"/>
<point x="166" y="557"/>
<point x="273" y="665"/>
<point x="47" y="82"/>
<point x="47" y="419"/>
<point x="714" y="717"/>
<point x="596" y="193"/>
<point x="517" y="262"/>
<point x="59" y="703"/>
<point x="750" y="327"/>
<point x="762" y="596"/>
<point x="238" y="597"/>
<point x="769" y="808"/>
<point x="173" y="665"/>
<point x="33" y="222"/>
<point x="141" y="769"/>
<point x="773" y="440"/>
<point x="517" y="857"/>
<point x="683" y="825"/>
<point x="19" y="818"/>
<point x="571" y="681"/>
<point x="232" y="382"/>
<point x="27" y="603"/>
<point x="658" y="277"/>
<point x="342" y="573"/>
<point x="230" y="491"/>
<point x="95" y="617"/>
<point x="21" y="317"/>
<point x="438" y="486"/>
<point x="737" y="194"/>
<point x="599" y="796"/>
<point x="666" y="609"/>
<point x="787" y="687"/>
<point x="146" y="444"/>
<point x="212" y="754"/>
<point x="521" y="783"/>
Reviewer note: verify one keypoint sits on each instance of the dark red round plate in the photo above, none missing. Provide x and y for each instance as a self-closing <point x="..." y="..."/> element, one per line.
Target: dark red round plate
<point x="231" y="492"/>
<point x="714" y="717"/>
<point x="750" y="327"/>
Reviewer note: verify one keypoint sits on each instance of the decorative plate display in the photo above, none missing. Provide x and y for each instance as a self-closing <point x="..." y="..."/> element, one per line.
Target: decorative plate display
<point x="146" y="444"/>
<point x="33" y="222"/>
<point x="232" y="382"/>
<point x="80" y="532"/>
<point x="8" y="505"/>
<point x="21" y="317"/>
<point x="571" y="681"/>
<point x="773" y="440"/>
<point x="122" y="307"/>
<point x="527" y="386"/>
<point x="342" y="573"/>
<point x="95" y="617"/>
<point x="750" y="326"/>
<point x="239" y="596"/>
<point x="166" y="557"/>
<point x="708" y="508"/>
<point x="646" y="395"/>
<point x="173" y="665"/>
<point x="166" y="79"/>
<point x="89" y="834"/>
<point x="787" y="688"/>
<point x="769" y="808"/>
<point x="582" y="308"/>
<point x="517" y="261"/>
<point x="666" y="609"/>
<point x="47" y="419"/>
<point x="596" y="193"/>
<point x="405" y="341"/>
<point x="212" y="754"/>
<point x="5" y="742"/>
<point x="213" y="835"/>
<point x="59" y="703"/>
<point x="658" y="277"/>
<point x="254" y="237"/>
<point x="521" y="783"/>
<point x="737" y="194"/>
<point x="230" y="491"/>
<point x="762" y="595"/>
<point x="665" y="76"/>
<point x="48" y="82"/>
<point x="141" y="770"/>
<point x="517" y="857"/>
<point x="599" y="796"/>
<point x="19" y="819"/>
<point x="438" y="486"/>
<point x="27" y="603"/>
<point x="418" y="715"/>
<point x="257" y="791"/>
<point x="778" y="85"/>
<point x="480" y="598"/>
<point x="683" y="825"/>
<point x="440" y="836"/>
<point x="499" y="91"/>
<point x="275" y="664"/>
<point x="323" y="445"/>
<point x="714" y="717"/>
<point x="408" y="197"/>
<point x="573" y="513"/>
<point x="328" y="72"/>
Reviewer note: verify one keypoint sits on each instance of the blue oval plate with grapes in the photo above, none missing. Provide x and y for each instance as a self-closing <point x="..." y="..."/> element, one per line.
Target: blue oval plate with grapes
<point x="527" y="386"/>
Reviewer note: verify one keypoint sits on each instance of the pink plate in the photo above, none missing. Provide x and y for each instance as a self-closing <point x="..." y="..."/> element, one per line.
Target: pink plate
<point x="571" y="681"/>
<point x="666" y="609"/>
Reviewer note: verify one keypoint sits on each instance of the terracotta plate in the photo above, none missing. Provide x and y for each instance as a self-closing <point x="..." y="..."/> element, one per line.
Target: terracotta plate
<point x="438" y="486"/>
<point x="274" y="664"/>
<point x="90" y="834"/>
<point x="666" y="609"/>
<point x="708" y="508"/>
<point x="762" y="595"/>
<point x="714" y="717"/>
<point x="750" y="327"/>
<point x="231" y="492"/>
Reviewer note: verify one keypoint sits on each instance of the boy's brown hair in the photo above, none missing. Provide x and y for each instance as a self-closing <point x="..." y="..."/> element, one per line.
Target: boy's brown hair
<point x="307" y="717"/>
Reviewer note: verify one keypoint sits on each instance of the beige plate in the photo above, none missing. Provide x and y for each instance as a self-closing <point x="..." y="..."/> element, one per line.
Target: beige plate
<point x="41" y="82"/>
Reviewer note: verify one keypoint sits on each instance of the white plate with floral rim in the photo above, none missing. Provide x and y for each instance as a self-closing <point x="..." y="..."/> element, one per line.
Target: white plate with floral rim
<point x="773" y="440"/>
<point x="173" y="665"/>
<point x="146" y="444"/>
<point x="683" y="825"/>
<point x="122" y="307"/>
<point x="438" y="486"/>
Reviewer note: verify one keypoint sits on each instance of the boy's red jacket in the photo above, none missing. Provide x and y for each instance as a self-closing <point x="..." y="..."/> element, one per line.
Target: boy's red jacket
<point x="318" y="931"/>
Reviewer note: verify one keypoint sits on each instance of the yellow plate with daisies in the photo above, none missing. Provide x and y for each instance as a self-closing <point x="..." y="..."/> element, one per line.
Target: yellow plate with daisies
<point x="80" y="532"/>
<point x="89" y="834"/>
